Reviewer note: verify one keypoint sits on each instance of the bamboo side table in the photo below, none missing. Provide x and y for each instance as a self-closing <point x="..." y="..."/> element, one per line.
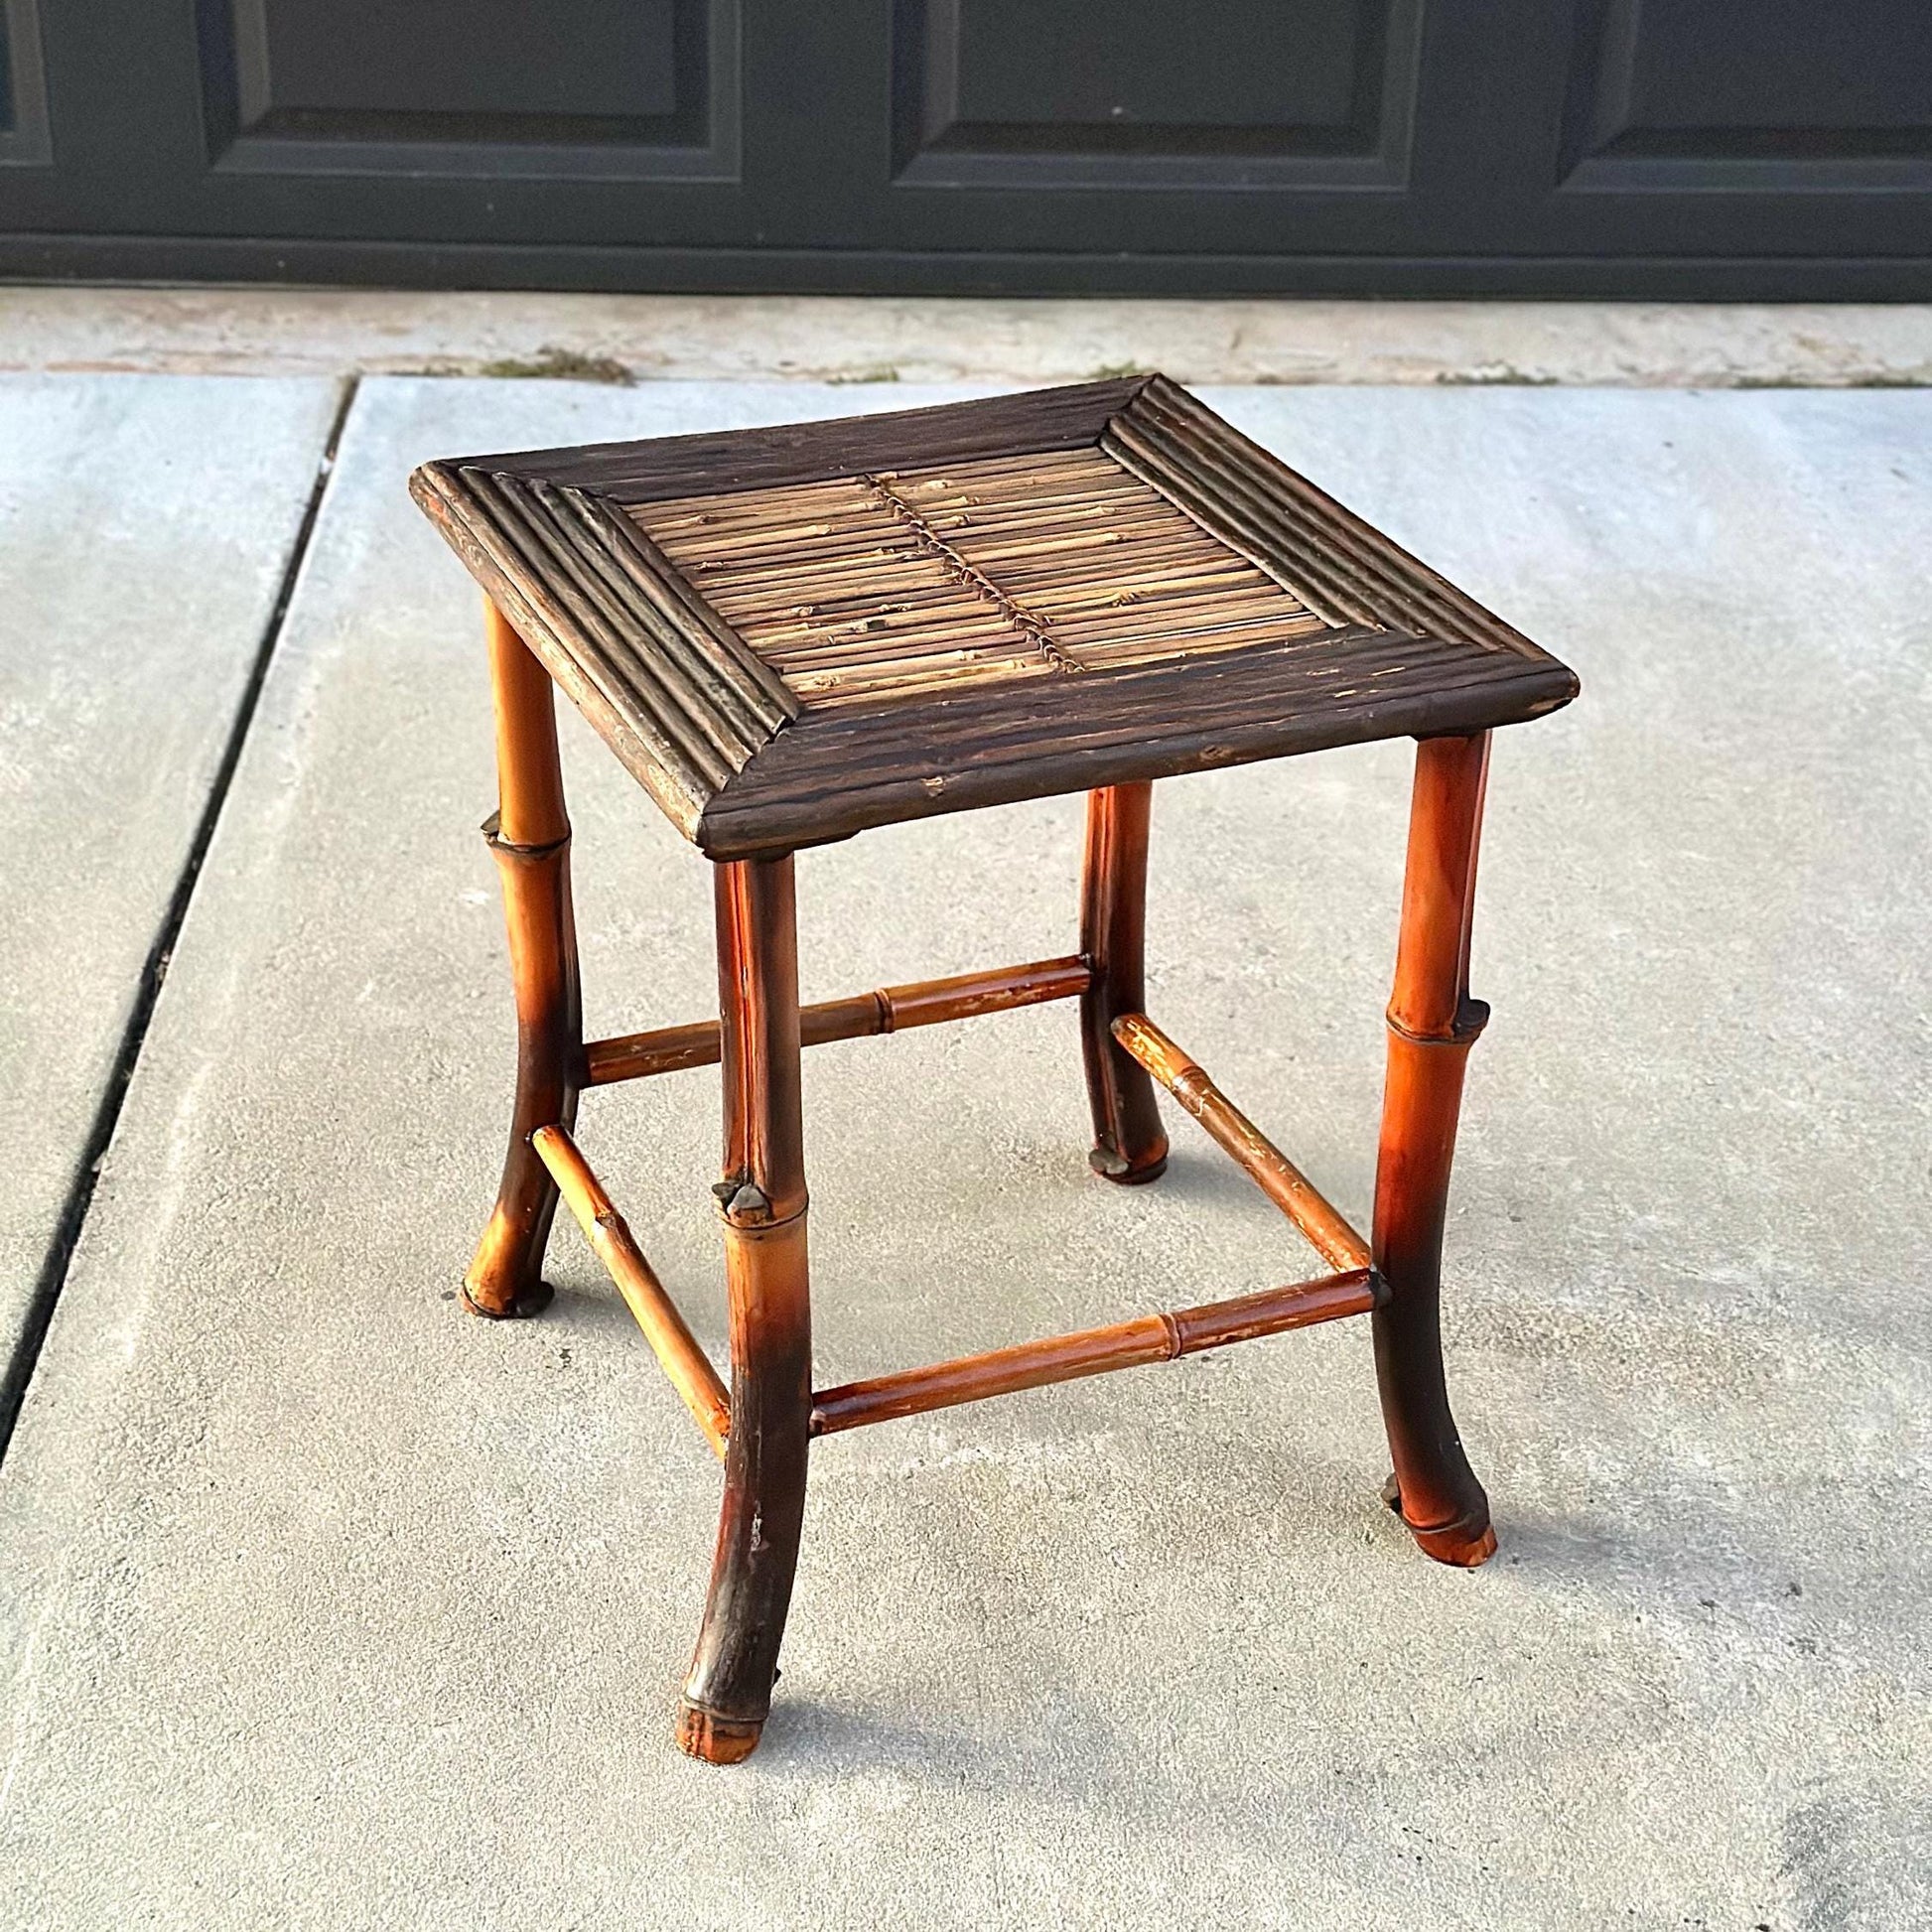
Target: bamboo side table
<point x="791" y="635"/>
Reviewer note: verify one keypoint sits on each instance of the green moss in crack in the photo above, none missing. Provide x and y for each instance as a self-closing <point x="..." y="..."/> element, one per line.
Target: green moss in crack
<point x="1496" y="375"/>
<point x="556" y="364"/>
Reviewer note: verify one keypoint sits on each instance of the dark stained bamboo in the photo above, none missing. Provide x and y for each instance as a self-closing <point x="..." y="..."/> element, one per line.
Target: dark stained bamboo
<point x="762" y="1196"/>
<point x="840" y="770"/>
<point x="649" y="570"/>
<point x="1228" y="490"/>
<point x="1129" y="1144"/>
<point x="1330" y="525"/>
<point x="889" y="1009"/>
<point x="661" y="707"/>
<point x="515" y="573"/>
<point x="732" y="709"/>
<point x="1302" y="576"/>
<point x="529" y="837"/>
<point x="672" y="1340"/>
<point x="1433" y="1022"/>
<point x="1092" y="1352"/>
<point x="1239" y="473"/>
<point x="796" y="454"/>
<point x="1318" y="534"/>
<point x="1272" y="1170"/>
<point x="510" y="580"/>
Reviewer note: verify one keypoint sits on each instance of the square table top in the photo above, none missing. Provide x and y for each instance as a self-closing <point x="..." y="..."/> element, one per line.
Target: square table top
<point x="790" y="635"/>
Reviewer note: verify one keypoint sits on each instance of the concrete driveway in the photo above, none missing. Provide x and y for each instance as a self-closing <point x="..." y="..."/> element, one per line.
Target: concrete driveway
<point x="324" y="1605"/>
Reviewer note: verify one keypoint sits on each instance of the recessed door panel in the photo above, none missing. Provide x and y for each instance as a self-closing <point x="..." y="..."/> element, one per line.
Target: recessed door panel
<point x="1057" y="93"/>
<point x="595" y="87"/>
<point x="1779" y="94"/>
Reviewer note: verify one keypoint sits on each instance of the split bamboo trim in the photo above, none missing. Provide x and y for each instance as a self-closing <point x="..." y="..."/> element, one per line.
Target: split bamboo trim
<point x="705" y="707"/>
<point x="1235" y="489"/>
<point x="1273" y="1171"/>
<point x="1093" y="1351"/>
<point x="650" y="572"/>
<point x="890" y="1008"/>
<point x="675" y="1345"/>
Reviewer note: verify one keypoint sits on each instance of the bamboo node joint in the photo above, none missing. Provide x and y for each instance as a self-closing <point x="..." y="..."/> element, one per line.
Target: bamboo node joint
<point x="1472" y="1016"/>
<point x="746" y="1205"/>
<point x="508" y="848"/>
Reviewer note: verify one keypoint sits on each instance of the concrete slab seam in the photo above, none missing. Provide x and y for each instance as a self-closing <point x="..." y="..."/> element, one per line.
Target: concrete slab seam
<point x="52" y="1277"/>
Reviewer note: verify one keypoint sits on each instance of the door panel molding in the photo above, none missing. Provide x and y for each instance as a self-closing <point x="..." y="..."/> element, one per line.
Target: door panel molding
<point x="26" y="139"/>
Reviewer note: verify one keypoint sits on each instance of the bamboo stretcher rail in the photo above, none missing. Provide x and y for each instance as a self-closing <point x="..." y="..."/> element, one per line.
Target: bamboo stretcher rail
<point x="675" y="1345"/>
<point x="890" y="1008"/>
<point x="1094" y="1351"/>
<point x="1272" y="1170"/>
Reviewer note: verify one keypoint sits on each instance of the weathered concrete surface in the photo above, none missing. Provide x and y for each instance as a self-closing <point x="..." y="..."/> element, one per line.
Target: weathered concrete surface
<point x="918" y="338"/>
<point x="144" y="530"/>
<point x="329" y="1606"/>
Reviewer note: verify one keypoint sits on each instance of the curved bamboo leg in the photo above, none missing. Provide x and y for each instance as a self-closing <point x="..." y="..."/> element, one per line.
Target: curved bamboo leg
<point x="1433" y="1022"/>
<point x="529" y="836"/>
<point x="1130" y="1145"/>
<point x="762" y="1198"/>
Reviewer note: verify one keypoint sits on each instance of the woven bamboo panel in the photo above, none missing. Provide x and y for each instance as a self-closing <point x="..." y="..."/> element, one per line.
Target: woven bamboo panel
<point x="908" y="581"/>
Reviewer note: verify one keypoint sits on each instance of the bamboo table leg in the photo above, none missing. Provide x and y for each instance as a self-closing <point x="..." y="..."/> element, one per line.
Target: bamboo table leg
<point x="762" y="1196"/>
<point x="1130" y="1145"/>
<point x="529" y="835"/>
<point x="1433" y="1022"/>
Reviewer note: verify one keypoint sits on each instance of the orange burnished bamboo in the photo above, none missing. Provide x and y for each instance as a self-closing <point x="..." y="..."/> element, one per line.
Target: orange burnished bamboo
<point x="925" y="1003"/>
<point x="1432" y="1000"/>
<point x="1214" y="1324"/>
<point x="890" y="1008"/>
<point x="675" y="1347"/>
<point x="637" y="1056"/>
<point x="529" y="837"/>
<point x="763" y="1203"/>
<point x="1092" y="1352"/>
<point x="1130" y="1145"/>
<point x="530" y="808"/>
<point x="1273" y="1171"/>
<point x="1433" y="1022"/>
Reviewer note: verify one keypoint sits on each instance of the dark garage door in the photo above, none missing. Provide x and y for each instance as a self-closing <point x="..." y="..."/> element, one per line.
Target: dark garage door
<point x="1742" y="148"/>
